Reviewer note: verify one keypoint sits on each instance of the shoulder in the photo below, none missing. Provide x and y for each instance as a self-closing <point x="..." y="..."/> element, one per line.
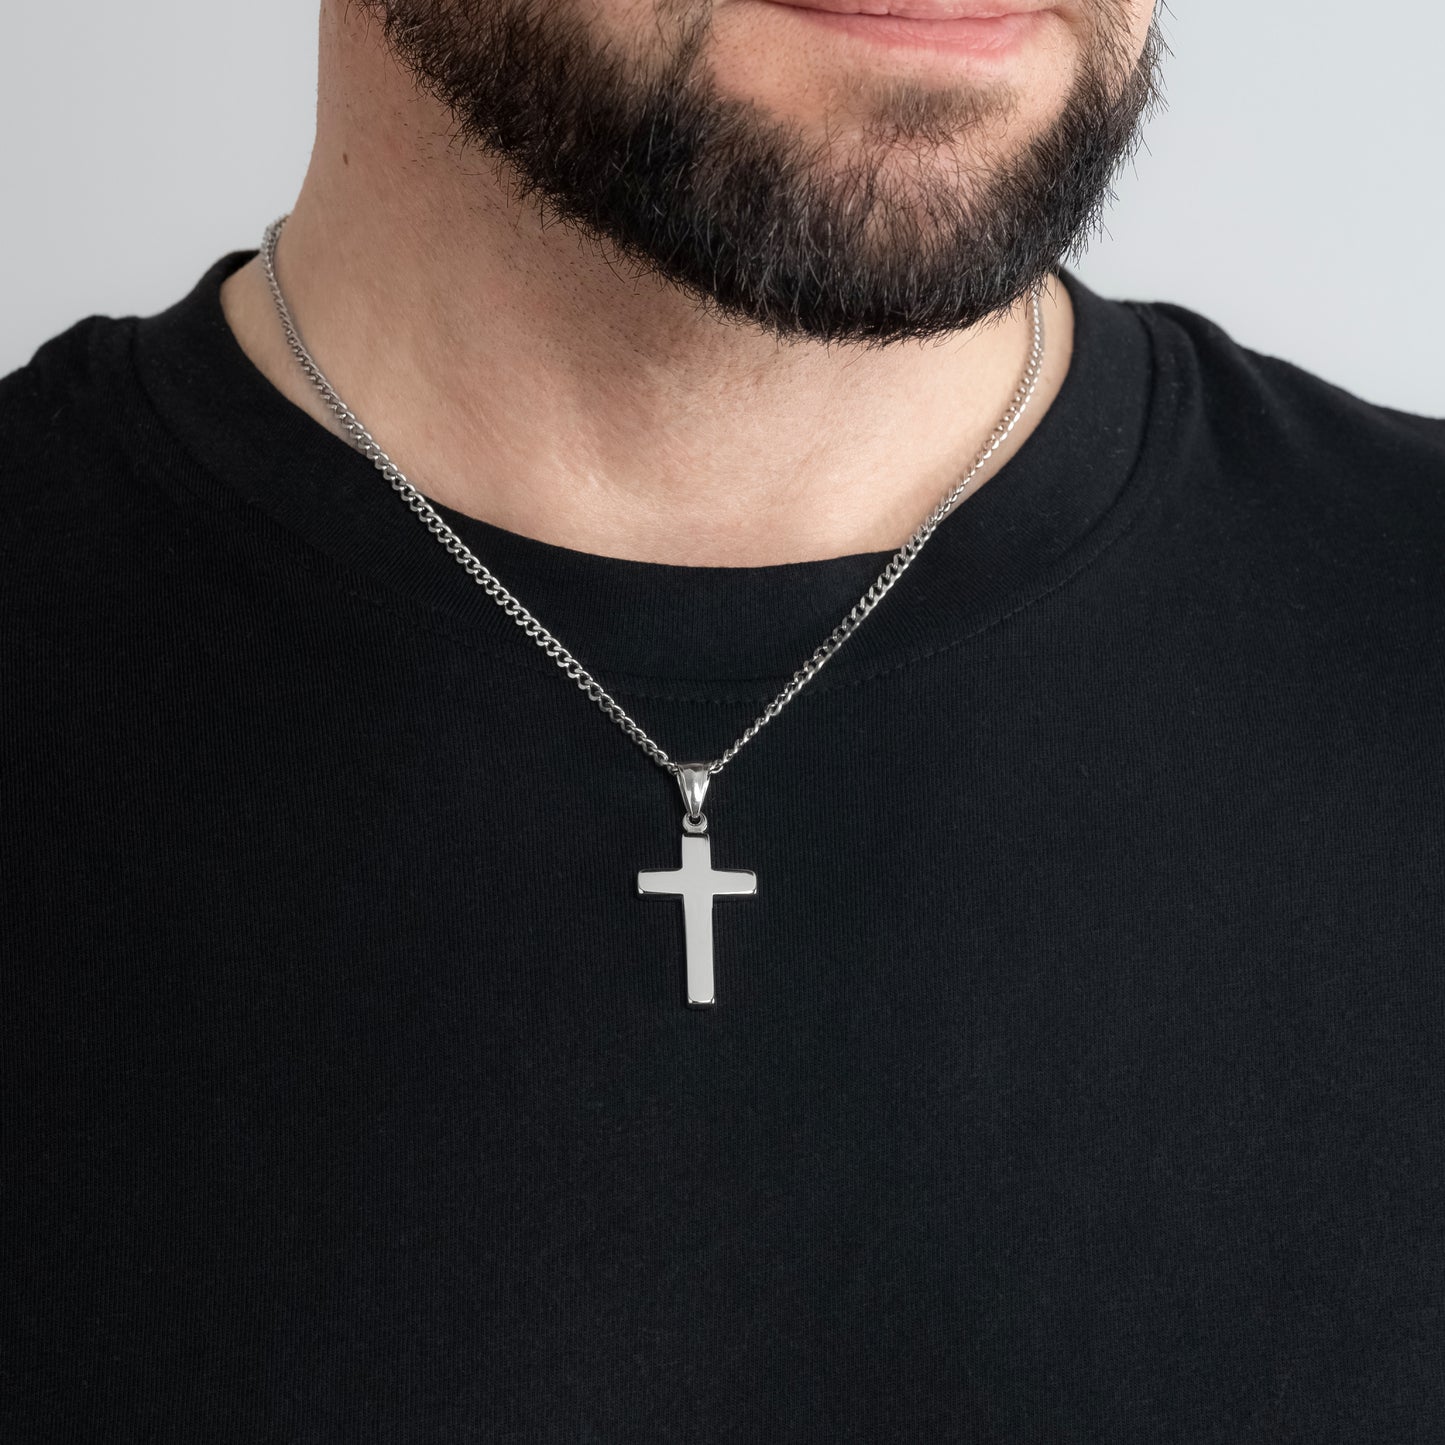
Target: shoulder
<point x="67" y="421"/>
<point x="1285" y="465"/>
<point x="1254" y="404"/>
<point x="88" y="514"/>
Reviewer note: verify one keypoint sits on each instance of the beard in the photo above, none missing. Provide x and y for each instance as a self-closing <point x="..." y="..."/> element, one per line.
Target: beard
<point x="758" y="222"/>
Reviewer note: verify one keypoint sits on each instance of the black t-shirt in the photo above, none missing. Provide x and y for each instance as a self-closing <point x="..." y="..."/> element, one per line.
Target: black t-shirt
<point x="1076" y="1070"/>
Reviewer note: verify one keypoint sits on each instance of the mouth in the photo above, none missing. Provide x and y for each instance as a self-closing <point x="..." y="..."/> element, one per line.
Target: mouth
<point x="914" y="9"/>
<point x="982" y="30"/>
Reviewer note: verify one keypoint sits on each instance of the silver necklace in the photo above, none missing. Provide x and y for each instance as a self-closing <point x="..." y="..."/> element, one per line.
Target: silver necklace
<point x="696" y="882"/>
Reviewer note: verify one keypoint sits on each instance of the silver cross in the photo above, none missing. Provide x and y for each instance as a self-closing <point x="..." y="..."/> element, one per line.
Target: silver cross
<point x="697" y="883"/>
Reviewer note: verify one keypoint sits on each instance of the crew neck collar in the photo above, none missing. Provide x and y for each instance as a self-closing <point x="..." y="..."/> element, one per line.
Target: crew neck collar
<point x="656" y="626"/>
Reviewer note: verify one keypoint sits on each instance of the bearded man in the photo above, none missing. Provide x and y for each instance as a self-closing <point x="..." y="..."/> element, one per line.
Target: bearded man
<point x="663" y="787"/>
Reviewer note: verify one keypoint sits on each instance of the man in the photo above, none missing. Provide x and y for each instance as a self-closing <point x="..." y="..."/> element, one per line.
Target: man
<point x="525" y="921"/>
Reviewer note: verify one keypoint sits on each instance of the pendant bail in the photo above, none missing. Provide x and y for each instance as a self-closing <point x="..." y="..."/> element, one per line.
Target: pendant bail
<point x="692" y="779"/>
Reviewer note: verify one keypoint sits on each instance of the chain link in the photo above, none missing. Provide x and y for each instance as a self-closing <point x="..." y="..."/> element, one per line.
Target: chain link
<point x="901" y="560"/>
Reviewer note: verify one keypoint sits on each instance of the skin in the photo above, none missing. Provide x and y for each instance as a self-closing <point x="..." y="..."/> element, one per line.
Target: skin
<point x="517" y="372"/>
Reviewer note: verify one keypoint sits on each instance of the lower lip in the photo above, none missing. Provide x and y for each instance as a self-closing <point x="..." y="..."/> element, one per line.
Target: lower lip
<point x="991" y="37"/>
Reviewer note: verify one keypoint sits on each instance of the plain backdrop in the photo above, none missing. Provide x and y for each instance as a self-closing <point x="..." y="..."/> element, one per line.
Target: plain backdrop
<point x="1292" y="190"/>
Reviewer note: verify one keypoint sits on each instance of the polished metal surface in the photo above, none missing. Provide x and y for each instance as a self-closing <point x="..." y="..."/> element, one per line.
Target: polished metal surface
<point x="697" y="883"/>
<point x="692" y="779"/>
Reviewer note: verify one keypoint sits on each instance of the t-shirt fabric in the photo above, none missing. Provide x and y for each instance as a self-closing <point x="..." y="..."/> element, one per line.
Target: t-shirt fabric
<point x="1076" y="1072"/>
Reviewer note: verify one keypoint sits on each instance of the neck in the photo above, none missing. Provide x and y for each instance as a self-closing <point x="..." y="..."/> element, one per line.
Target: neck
<point x="517" y="373"/>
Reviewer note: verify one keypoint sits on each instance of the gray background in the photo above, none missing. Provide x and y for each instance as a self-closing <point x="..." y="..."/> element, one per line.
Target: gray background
<point x="1292" y="189"/>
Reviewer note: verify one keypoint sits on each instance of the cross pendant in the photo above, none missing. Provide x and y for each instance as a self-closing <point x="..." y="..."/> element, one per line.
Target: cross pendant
<point x="697" y="883"/>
